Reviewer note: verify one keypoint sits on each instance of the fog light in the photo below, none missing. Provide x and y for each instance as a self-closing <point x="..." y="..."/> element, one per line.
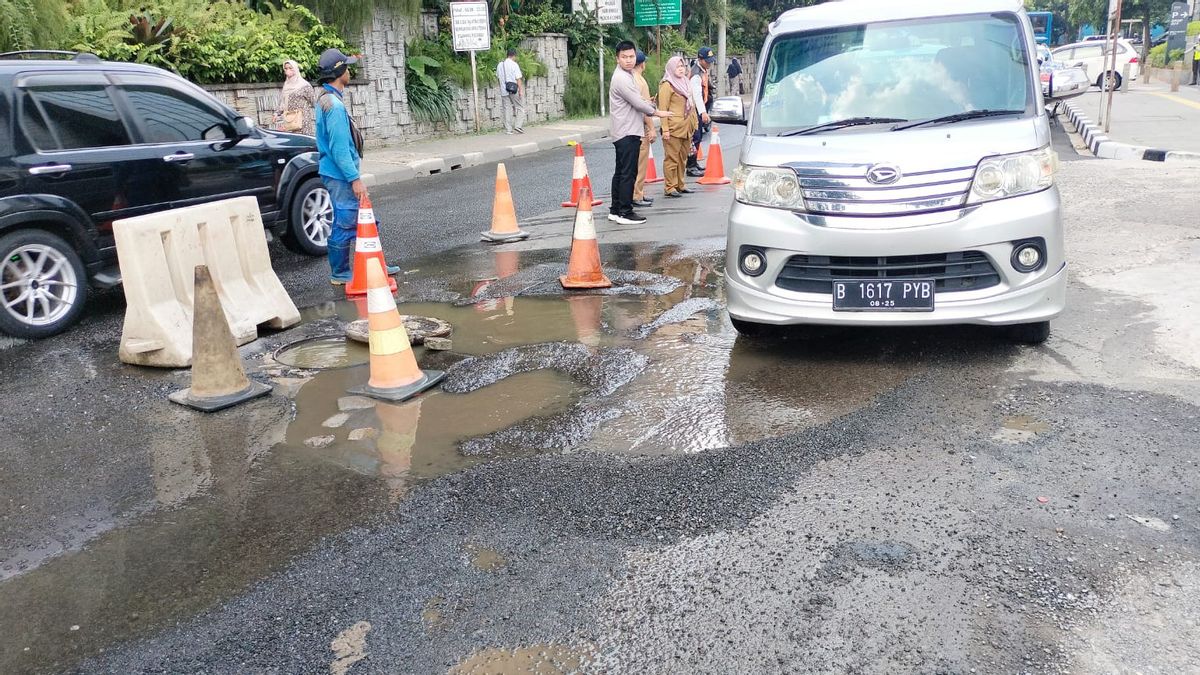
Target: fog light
<point x="1028" y="256"/>
<point x="753" y="263"/>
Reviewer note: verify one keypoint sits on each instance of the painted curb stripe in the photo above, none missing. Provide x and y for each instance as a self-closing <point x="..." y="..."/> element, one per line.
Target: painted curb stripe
<point x="388" y="342"/>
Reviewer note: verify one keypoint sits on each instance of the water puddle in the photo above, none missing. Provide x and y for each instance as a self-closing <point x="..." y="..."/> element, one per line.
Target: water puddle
<point x="544" y="659"/>
<point x="320" y="353"/>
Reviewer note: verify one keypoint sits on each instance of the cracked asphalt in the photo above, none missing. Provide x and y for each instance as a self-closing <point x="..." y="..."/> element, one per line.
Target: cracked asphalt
<point x="619" y="483"/>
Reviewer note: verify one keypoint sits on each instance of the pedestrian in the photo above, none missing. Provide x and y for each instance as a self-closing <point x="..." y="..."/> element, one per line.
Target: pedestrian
<point x="512" y="93"/>
<point x="734" y="71"/>
<point x="1196" y="60"/>
<point x="639" y="185"/>
<point x="675" y="95"/>
<point x="701" y="87"/>
<point x="296" y="100"/>
<point x="340" y="150"/>
<point x="627" y="111"/>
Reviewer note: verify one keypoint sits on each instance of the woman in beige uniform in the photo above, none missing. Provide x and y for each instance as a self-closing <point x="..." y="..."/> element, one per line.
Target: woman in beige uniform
<point x="674" y="94"/>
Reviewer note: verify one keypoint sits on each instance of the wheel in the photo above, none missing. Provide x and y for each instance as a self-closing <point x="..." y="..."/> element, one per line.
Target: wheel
<point x="311" y="218"/>
<point x="1030" y="333"/>
<point x="1113" y="81"/>
<point x="43" y="286"/>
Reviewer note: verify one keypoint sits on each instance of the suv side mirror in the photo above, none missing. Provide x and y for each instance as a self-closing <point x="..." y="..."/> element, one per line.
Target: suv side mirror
<point x="244" y="127"/>
<point x="728" y="110"/>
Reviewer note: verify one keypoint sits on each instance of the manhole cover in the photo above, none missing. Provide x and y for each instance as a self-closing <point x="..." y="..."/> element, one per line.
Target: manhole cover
<point x="418" y="328"/>
<point x="323" y="352"/>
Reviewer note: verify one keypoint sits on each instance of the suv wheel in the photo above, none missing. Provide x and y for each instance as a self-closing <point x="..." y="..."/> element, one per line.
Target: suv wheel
<point x="43" y="287"/>
<point x="311" y="218"/>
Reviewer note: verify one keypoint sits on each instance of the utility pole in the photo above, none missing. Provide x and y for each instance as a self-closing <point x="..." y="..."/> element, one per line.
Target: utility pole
<point x="723" y="89"/>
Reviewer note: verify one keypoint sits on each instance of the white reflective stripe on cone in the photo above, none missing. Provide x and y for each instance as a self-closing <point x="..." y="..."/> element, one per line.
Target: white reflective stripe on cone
<point x="585" y="226"/>
<point x="366" y="215"/>
<point x="380" y="300"/>
<point x="367" y="245"/>
<point x="580" y="169"/>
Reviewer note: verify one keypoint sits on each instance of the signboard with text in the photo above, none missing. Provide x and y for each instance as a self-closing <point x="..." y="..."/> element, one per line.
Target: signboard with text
<point x="1177" y="29"/>
<point x="657" y="12"/>
<point x="470" y="27"/>
<point x="610" y="10"/>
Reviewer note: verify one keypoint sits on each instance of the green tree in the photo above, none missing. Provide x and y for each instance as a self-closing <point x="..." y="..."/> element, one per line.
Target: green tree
<point x="31" y="24"/>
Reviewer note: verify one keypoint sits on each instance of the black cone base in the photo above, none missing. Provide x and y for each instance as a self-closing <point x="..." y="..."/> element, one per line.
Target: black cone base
<point x="215" y="403"/>
<point x="395" y="395"/>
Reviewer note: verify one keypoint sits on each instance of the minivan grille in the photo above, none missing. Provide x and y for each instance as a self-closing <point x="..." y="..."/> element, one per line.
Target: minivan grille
<point x="961" y="271"/>
<point x="843" y="190"/>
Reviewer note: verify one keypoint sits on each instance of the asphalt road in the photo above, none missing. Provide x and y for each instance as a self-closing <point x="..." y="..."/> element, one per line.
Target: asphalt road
<point x="619" y="483"/>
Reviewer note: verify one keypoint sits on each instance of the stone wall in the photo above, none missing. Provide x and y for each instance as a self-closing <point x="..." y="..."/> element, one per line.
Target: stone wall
<point x="379" y="103"/>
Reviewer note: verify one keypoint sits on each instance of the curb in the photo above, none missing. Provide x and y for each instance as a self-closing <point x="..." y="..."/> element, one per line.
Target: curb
<point x="386" y="174"/>
<point x="1103" y="147"/>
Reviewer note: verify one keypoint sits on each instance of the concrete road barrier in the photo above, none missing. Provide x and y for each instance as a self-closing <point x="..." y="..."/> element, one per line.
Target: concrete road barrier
<point x="158" y="254"/>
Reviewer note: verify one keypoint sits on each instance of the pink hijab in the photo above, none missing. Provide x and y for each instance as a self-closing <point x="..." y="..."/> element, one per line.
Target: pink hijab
<point x="679" y="84"/>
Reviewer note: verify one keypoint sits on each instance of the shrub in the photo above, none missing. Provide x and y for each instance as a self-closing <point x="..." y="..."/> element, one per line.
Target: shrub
<point x="431" y="98"/>
<point x="214" y="42"/>
<point x="582" y="96"/>
<point x="1158" y="55"/>
<point x="456" y="66"/>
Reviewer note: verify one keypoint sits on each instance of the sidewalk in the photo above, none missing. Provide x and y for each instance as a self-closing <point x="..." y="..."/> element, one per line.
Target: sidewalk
<point x="423" y="158"/>
<point x="1148" y="122"/>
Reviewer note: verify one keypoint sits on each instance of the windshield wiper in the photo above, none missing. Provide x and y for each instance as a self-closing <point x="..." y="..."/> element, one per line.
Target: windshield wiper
<point x="959" y="117"/>
<point x="839" y="124"/>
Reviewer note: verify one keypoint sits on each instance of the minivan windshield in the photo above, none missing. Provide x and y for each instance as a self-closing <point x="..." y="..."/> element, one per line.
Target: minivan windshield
<point x="914" y="70"/>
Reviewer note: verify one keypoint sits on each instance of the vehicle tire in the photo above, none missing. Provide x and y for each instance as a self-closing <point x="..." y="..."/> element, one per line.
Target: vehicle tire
<point x="43" y="286"/>
<point x="1030" y="333"/>
<point x="1112" y="81"/>
<point x="309" y="219"/>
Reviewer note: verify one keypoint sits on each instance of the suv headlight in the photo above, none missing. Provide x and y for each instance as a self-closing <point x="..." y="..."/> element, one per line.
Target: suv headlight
<point x="1006" y="176"/>
<point x="762" y="186"/>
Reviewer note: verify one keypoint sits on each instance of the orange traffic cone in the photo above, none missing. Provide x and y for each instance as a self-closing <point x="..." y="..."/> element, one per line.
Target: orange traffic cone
<point x="652" y="172"/>
<point x="504" y="214"/>
<point x="367" y="246"/>
<point x="700" y="151"/>
<point x="714" y="171"/>
<point x="580" y="180"/>
<point x="395" y="375"/>
<point x="583" y="269"/>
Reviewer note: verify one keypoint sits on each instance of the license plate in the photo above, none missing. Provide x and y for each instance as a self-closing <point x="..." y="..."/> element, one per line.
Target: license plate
<point x="876" y="295"/>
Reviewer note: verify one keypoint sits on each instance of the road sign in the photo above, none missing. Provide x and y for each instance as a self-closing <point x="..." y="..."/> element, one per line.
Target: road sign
<point x="470" y="26"/>
<point x="657" y="12"/>
<point x="610" y="10"/>
<point x="1177" y="29"/>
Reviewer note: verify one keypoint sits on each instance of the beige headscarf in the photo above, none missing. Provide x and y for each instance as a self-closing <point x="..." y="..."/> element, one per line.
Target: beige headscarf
<point x="292" y="84"/>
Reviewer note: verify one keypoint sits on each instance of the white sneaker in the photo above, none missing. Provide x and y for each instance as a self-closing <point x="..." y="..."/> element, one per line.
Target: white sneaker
<point x="613" y="217"/>
<point x="631" y="219"/>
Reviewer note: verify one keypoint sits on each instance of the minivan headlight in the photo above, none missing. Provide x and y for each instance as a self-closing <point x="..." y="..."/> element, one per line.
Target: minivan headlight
<point x="762" y="186"/>
<point x="1006" y="176"/>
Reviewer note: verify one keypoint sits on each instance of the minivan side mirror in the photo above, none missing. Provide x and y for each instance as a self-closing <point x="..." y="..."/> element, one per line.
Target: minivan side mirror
<point x="1067" y="83"/>
<point x="728" y="110"/>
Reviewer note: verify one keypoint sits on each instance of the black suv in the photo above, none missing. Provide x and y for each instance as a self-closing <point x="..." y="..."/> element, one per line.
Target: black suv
<point x="84" y="142"/>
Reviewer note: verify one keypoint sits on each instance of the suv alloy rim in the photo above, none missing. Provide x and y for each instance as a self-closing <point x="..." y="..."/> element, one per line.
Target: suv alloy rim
<point x="37" y="284"/>
<point x="318" y="216"/>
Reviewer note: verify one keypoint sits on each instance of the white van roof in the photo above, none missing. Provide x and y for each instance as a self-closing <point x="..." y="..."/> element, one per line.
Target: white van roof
<point x="854" y="12"/>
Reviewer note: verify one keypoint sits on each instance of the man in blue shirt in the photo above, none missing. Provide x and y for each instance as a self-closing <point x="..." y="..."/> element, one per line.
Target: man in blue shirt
<point x="340" y="145"/>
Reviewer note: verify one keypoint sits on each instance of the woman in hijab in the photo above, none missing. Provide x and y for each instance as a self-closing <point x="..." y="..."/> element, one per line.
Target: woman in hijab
<point x="674" y="94"/>
<point x="296" y="101"/>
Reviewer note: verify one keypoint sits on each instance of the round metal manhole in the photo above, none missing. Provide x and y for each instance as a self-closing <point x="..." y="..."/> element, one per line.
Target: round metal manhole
<point x="323" y="352"/>
<point x="417" y="327"/>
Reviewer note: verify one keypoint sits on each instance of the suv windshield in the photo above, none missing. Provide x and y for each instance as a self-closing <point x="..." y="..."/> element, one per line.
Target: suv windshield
<point x="913" y="70"/>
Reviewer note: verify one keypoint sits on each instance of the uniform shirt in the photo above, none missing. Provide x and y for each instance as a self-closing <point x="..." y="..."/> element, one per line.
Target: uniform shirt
<point x="627" y="109"/>
<point x="338" y="158"/>
<point x="699" y="75"/>
<point x="507" y="71"/>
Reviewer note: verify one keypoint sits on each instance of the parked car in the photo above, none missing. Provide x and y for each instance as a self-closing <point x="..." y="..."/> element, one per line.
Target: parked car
<point x="1094" y="56"/>
<point x="896" y="170"/>
<point x="85" y="142"/>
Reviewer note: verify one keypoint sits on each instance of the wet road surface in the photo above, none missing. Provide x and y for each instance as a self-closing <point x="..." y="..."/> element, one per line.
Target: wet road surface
<point x="618" y="483"/>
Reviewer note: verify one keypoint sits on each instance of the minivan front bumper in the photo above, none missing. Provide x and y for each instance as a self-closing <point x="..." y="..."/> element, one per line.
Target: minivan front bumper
<point x="989" y="228"/>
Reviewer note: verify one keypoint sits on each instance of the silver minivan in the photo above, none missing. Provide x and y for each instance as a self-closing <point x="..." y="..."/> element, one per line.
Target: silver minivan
<point x="897" y="170"/>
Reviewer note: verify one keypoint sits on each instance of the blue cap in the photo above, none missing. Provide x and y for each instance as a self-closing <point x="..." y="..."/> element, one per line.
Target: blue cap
<point x="706" y="53"/>
<point x="641" y="57"/>
<point x="333" y="63"/>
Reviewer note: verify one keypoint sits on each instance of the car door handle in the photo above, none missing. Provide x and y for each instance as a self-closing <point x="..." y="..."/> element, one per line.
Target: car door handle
<point x="179" y="157"/>
<point x="50" y="169"/>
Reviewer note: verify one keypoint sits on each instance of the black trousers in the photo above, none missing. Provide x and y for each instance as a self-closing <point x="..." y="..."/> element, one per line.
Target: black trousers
<point x="1195" y="70"/>
<point x="625" y="174"/>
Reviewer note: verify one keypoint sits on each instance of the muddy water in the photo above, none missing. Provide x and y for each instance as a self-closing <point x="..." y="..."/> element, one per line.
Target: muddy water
<point x="224" y="510"/>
